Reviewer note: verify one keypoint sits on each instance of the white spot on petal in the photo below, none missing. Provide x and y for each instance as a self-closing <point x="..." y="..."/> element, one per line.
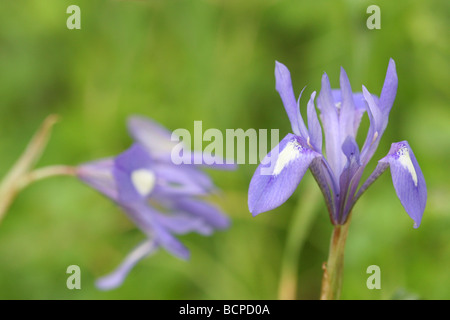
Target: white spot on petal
<point x="290" y="152"/>
<point x="405" y="161"/>
<point x="144" y="181"/>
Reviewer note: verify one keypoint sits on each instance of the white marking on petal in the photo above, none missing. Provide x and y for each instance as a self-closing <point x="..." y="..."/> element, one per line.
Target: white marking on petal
<point x="290" y="152"/>
<point x="144" y="181"/>
<point x="309" y="143"/>
<point x="405" y="161"/>
<point x="375" y="136"/>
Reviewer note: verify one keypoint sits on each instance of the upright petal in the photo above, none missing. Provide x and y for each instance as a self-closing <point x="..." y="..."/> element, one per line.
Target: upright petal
<point x="152" y="135"/>
<point x="330" y="121"/>
<point x="408" y="180"/>
<point x="351" y="151"/>
<point x="359" y="103"/>
<point x="378" y="123"/>
<point x="279" y="174"/>
<point x="389" y="90"/>
<point x="314" y="129"/>
<point x="284" y="87"/>
<point x="347" y="111"/>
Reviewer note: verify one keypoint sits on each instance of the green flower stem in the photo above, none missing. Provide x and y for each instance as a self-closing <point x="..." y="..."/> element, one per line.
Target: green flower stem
<point x="334" y="267"/>
<point x="302" y="220"/>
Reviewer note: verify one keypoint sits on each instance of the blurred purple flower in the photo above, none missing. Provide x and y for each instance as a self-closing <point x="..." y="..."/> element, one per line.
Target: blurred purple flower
<point x="161" y="198"/>
<point x="339" y="173"/>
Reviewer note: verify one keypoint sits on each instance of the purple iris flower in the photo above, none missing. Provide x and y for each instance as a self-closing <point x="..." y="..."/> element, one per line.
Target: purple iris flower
<point x="339" y="173"/>
<point x="161" y="198"/>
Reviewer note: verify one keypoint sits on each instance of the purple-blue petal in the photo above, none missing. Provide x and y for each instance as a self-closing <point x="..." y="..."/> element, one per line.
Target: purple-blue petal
<point x="181" y="180"/>
<point x="408" y="180"/>
<point x="279" y="174"/>
<point x="347" y="109"/>
<point x="99" y="175"/>
<point x="330" y="121"/>
<point x="117" y="277"/>
<point x="206" y="211"/>
<point x="153" y="136"/>
<point x="389" y="90"/>
<point x="284" y="87"/>
<point x="378" y="122"/>
<point x="314" y="128"/>
<point x="164" y="238"/>
<point x="181" y="223"/>
<point x="131" y="160"/>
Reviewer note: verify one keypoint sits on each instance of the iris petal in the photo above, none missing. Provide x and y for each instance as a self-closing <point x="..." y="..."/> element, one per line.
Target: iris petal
<point x="99" y="175"/>
<point x="284" y="87"/>
<point x="389" y="90"/>
<point x="330" y="121"/>
<point x="206" y="211"/>
<point x="408" y="180"/>
<point x="314" y="129"/>
<point x="154" y="137"/>
<point x="279" y="174"/>
<point x="116" y="278"/>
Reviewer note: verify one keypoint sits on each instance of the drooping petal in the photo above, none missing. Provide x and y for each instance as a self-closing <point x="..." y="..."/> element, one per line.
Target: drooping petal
<point x="279" y="174"/>
<point x="284" y="87"/>
<point x="146" y="219"/>
<point x="408" y="180"/>
<point x="181" y="180"/>
<point x="330" y="121"/>
<point x="180" y="223"/>
<point x="206" y="211"/>
<point x="116" y="278"/>
<point x="164" y="238"/>
<point x="314" y="128"/>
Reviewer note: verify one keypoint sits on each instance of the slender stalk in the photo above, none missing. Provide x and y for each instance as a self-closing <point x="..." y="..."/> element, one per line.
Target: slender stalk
<point x="334" y="267"/>
<point x="9" y="191"/>
<point x="21" y="175"/>
<point x="43" y="173"/>
<point x="302" y="220"/>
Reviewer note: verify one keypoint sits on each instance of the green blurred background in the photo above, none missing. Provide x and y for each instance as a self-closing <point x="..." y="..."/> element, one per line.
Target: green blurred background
<point x="180" y="61"/>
